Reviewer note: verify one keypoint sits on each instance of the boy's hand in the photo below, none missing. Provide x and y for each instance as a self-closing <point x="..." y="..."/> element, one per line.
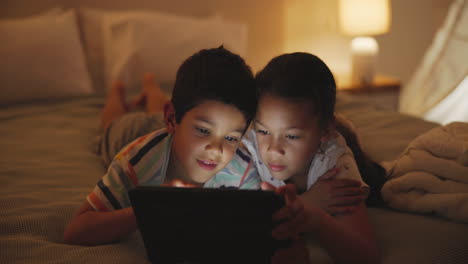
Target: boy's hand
<point x="335" y="196"/>
<point x="179" y="183"/>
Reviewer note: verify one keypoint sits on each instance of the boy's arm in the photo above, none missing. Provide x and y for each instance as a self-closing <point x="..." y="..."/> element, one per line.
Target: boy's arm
<point x="89" y="227"/>
<point x="106" y="215"/>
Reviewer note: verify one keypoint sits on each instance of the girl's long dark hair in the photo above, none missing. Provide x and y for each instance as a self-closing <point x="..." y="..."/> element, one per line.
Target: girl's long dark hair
<point x="371" y="172"/>
<point x="303" y="76"/>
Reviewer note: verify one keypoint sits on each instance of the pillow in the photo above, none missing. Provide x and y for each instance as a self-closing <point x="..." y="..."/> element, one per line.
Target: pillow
<point x="125" y="45"/>
<point x="42" y="58"/>
<point x="91" y="27"/>
<point x="54" y="11"/>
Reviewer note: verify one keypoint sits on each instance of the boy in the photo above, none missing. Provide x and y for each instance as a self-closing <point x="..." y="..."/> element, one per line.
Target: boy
<point x="212" y="104"/>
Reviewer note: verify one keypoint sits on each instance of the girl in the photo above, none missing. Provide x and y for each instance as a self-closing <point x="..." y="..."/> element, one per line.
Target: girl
<point x="296" y="139"/>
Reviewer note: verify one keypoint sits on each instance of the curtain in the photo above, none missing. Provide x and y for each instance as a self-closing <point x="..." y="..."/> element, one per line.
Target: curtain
<point x="444" y="65"/>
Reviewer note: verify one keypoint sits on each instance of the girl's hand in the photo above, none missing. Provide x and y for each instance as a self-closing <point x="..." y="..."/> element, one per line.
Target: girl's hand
<point x="295" y="217"/>
<point x="296" y="253"/>
<point x="335" y="196"/>
<point x="265" y="186"/>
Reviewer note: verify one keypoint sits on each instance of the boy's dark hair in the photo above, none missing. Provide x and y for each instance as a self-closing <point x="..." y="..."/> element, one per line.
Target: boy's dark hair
<point x="214" y="74"/>
<point x="303" y="76"/>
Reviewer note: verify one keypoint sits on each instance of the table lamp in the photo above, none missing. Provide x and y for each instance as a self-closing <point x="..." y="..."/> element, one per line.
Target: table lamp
<point x="362" y="19"/>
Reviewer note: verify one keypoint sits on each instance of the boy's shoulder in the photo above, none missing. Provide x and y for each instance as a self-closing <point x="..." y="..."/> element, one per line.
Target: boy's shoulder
<point x="127" y="170"/>
<point x="142" y="146"/>
<point x="240" y="172"/>
<point x="240" y="162"/>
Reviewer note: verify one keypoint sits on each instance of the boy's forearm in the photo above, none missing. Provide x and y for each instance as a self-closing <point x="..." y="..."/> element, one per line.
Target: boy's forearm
<point x="94" y="228"/>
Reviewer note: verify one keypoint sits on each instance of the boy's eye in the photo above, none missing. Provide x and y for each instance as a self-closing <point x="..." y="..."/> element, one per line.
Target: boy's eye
<point x="231" y="139"/>
<point x="202" y="131"/>
<point x="292" y="137"/>
<point x="263" y="132"/>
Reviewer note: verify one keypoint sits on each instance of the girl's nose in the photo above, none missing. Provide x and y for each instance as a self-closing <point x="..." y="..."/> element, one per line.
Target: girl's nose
<point x="275" y="146"/>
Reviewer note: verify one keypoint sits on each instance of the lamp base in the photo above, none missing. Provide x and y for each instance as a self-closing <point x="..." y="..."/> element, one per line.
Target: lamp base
<point x="364" y="52"/>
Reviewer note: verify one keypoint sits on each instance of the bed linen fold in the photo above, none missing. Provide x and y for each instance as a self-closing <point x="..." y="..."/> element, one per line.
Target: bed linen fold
<point x="431" y="175"/>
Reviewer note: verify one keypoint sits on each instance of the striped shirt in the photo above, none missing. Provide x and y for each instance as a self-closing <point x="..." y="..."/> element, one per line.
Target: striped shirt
<point x="145" y="162"/>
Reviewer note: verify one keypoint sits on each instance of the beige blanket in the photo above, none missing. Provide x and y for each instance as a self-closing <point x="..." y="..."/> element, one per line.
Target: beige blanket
<point x="431" y="175"/>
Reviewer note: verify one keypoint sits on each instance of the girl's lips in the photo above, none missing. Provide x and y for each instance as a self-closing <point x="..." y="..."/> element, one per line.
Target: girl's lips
<point x="207" y="165"/>
<point x="276" y="168"/>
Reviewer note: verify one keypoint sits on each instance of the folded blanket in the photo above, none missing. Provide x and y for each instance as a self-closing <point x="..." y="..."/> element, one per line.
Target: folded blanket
<point x="431" y="175"/>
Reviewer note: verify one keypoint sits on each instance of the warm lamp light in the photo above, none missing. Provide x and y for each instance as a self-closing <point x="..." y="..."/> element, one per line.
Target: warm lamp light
<point x="362" y="19"/>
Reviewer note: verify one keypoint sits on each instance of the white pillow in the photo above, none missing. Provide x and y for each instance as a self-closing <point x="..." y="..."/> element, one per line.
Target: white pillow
<point x="92" y="32"/>
<point x="42" y="58"/>
<point x="136" y="42"/>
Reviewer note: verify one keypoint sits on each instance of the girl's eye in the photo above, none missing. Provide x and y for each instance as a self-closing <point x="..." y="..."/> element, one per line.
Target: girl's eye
<point x="263" y="132"/>
<point x="231" y="139"/>
<point x="293" y="137"/>
<point x="202" y="131"/>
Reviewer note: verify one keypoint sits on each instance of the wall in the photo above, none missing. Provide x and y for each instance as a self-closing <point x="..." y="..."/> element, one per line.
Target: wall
<point x="277" y="26"/>
<point x="312" y="25"/>
<point x="414" y="24"/>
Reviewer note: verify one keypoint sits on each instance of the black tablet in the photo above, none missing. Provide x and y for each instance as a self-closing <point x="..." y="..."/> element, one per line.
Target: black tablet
<point x="201" y="225"/>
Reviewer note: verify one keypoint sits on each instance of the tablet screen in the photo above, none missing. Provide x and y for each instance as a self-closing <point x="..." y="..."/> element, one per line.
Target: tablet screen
<point x="204" y="225"/>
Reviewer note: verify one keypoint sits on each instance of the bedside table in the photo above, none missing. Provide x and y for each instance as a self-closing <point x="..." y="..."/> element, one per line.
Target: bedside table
<point x="384" y="91"/>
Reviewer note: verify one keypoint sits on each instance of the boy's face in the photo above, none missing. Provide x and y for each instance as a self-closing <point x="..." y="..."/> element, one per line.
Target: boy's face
<point x="205" y="140"/>
<point x="288" y="136"/>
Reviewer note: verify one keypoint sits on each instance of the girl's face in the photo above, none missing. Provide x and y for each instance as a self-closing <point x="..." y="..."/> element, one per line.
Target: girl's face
<point x="288" y="136"/>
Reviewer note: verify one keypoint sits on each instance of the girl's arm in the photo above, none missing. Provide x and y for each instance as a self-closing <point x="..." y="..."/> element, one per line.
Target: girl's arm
<point x="89" y="227"/>
<point x="348" y="238"/>
<point x="335" y="196"/>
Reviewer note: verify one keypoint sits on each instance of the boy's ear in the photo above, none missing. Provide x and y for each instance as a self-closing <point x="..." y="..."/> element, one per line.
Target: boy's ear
<point x="169" y="117"/>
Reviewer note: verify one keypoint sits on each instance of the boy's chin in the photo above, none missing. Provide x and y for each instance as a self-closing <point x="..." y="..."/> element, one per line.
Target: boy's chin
<point x="202" y="179"/>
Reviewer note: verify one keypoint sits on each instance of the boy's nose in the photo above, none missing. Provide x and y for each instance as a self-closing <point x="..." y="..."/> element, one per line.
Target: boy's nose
<point x="215" y="146"/>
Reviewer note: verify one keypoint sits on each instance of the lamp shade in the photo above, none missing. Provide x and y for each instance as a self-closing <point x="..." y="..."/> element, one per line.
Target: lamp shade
<point x="364" y="17"/>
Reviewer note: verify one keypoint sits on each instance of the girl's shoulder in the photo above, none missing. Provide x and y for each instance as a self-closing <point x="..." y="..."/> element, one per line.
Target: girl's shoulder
<point x="335" y="143"/>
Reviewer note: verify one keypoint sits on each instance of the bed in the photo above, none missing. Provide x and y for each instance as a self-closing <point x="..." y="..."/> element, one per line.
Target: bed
<point x="49" y="163"/>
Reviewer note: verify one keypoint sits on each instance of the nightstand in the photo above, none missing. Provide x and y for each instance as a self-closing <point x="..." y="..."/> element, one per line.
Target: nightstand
<point x="384" y="91"/>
